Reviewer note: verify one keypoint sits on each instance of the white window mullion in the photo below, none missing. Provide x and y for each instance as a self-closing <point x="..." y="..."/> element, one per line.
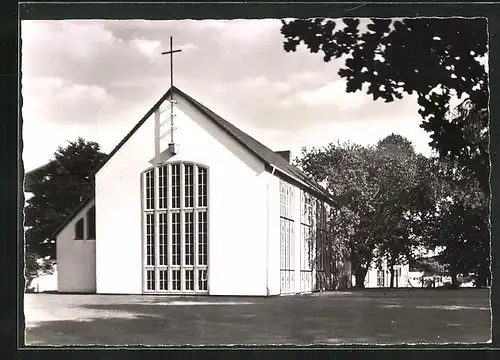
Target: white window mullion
<point x="195" y="226"/>
<point x="156" y="242"/>
<point x="144" y="247"/>
<point x="144" y="242"/>
<point x="181" y="186"/>
<point x="168" y="198"/>
<point x="156" y="228"/>
<point x="155" y="188"/>
<point x="169" y="250"/>
<point x="195" y="247"/>
<point x="182" y="244"/>
<point x="168" y="189"/>
<point x="182" y="221"/>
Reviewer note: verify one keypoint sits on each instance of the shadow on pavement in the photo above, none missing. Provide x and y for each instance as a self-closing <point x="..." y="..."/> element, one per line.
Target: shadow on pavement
<point x="293" y="320"/>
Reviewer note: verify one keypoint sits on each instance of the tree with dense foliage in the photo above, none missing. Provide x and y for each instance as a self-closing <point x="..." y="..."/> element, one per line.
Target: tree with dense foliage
<point x="57" y="189"/>
<point x="461" y="223"/>
<point x="398" y="178"/>
<point x="435" y="59"/>
<point x="348" y="170"/>
<point x="373" y="187"/>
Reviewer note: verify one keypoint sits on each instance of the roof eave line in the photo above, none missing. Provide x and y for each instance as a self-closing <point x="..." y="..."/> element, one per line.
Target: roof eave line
<point x="275" y="167"/>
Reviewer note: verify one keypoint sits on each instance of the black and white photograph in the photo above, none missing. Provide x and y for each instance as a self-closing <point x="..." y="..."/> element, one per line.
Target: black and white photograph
<point x="295" y="181"/>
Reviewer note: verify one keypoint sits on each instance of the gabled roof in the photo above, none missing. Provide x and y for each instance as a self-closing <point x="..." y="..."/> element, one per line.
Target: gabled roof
<point x="72" y="215"/>
<point x="271" y="159"/>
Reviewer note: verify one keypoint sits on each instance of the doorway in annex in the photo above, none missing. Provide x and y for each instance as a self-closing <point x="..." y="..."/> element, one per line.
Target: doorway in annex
<point x="175" y="229"/>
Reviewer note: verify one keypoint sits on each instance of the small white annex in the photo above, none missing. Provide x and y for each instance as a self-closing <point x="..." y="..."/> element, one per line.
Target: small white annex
<point x="409" y="275"/>
<point x="202" y="209"/>
<point x="380" y="277"/>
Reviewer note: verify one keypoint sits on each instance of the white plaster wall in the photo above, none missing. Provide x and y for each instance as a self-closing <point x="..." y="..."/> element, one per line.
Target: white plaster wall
<point x="118" y="215"/>
<point x="415" y="278"/>
<point x="237" y="207"/>
<point x="371" y="277"/>
<point x="44" y="283"/>
<point x="405" y="278"/>
<point x="76" y="266"/>
<point x="274" y="236"/>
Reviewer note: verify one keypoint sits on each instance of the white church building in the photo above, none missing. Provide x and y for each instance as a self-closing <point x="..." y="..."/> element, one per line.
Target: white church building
<point x="190" y="204"/>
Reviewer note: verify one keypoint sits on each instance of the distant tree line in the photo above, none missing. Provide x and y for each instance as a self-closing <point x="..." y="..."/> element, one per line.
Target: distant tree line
<point x="390" y="202"/>
<point x="57" y="188"/>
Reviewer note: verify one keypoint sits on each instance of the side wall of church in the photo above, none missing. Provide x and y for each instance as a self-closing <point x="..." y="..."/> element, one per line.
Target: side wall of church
<point x="273" y="255"/>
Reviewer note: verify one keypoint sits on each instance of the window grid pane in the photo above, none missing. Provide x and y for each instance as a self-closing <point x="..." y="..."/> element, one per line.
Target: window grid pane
<point x="202" y="187"/>
<point x="287" y="245"/>
<point x="162" y="239"/>
<point x="188" y="186"/>
<point x="163" y="280"/>
<point x="282" y="198"/>
<point x="202" y="238"/>
<point x="176" y="186"/>
<point x="188" y="239"/>
<point x="91" y="223"/>
<point x="380" y="278"/>
<point x="79" y="229"/>
<point x="150" y="240"/>
<point x="189" y="279"/>
<point x="150" y="190"/>
<point x="202" y="280"/>
<point x="282" y="243"/>
<point x="150" y="280"/>
<point x="176" y="239"/>
<point x="176" y="279"/>
<point x="287" y="201"/>
<point x="162" y="187"/>
<point x="306" y="247"/>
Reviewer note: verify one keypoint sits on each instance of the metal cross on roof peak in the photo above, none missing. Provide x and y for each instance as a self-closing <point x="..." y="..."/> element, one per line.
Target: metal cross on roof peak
<point x="171" y="53"/>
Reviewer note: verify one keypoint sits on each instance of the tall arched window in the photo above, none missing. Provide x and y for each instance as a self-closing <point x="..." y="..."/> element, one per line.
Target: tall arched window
<point x="175" y="209"/>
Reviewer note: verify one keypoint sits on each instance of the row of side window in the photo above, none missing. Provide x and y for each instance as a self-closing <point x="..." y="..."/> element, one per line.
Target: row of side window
<point x="85" y="226"/>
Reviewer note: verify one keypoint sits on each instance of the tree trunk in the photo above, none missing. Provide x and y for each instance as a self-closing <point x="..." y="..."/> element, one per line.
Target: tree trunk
<point x="360" y="274"/>
<point x="330" y="272"/>
<point x="482" y="277"/>
<point x="453" y="274"/>
<point x="391" y="270"/>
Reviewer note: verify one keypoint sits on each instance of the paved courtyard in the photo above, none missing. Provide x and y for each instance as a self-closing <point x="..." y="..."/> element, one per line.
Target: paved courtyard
<point x="368" y="316"/>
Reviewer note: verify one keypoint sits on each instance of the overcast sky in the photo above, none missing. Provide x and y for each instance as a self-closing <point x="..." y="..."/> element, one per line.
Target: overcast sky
<point x="97" y="79"/>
